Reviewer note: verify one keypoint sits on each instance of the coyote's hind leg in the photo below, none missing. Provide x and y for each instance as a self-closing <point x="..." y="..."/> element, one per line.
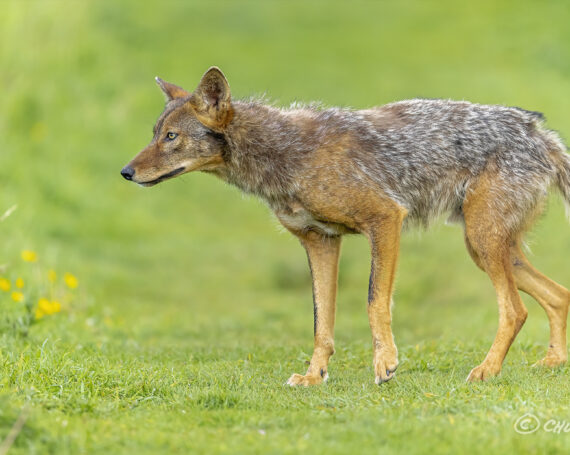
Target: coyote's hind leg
<point x="552" y="297"/>
<point x="489" y="244"/>
<point x="555" y="300"/>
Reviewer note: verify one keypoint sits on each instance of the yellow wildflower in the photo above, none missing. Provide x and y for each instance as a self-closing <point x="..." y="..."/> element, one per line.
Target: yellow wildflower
<point x="39" y="313"/>
<point x="17" y="296"/>
<point x="52" y="276"/>
<point x="29" y="256"/>
<point x="4" y="284"/>
<point x="19" y="283"/>
<point x="70" y="280"/>
<point x="45" y="307"/>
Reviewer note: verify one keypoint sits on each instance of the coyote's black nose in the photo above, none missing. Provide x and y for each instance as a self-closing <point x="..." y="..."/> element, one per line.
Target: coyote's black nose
<point x="128" y="172"/>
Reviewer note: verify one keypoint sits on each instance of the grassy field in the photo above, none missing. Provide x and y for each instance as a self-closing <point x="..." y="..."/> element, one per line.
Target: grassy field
<point x="193" y="307"/>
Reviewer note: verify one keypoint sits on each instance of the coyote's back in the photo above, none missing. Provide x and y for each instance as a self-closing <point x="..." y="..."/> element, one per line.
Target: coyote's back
<point x="426" y="154"/>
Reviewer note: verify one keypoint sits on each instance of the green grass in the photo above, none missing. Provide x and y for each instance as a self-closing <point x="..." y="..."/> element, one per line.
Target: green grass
<point x="193" y="307"/>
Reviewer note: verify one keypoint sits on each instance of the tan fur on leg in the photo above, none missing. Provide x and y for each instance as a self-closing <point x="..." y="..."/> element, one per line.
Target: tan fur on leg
<point x="384" y="238"/>
<point x="552" y="297"/>
<point x="323" y="254"/>
<point x="489" y="245"/>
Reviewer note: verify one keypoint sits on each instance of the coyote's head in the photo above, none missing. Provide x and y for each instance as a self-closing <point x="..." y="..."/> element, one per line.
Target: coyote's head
<point x="187" y="136"/>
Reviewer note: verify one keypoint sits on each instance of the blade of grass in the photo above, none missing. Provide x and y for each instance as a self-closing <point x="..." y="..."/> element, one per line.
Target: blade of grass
<point x="8" y="212"/>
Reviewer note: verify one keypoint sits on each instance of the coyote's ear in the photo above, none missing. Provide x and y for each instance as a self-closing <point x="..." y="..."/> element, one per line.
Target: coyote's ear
<point x="212" y="100"/>
<point x="171" y="91"/>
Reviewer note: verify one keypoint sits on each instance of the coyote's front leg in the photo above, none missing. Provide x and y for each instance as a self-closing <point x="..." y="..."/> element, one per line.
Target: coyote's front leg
<point x="323" y="253"/>
<point x="384" y="237"/>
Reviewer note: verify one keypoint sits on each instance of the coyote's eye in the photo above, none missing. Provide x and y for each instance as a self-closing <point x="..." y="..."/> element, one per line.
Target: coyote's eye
<point x="171" y="136"/>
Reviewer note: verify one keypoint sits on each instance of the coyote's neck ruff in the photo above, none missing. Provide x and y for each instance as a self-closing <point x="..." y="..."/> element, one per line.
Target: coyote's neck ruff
<point x="264" y="151"/>
<point x="327" y="172"/>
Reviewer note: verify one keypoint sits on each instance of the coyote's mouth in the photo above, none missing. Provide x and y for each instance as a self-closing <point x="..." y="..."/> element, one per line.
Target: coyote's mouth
<point x="163" y="177"/>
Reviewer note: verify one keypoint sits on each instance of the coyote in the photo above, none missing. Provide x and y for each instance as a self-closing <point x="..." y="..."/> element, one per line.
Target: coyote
<point x="329" y="172"/>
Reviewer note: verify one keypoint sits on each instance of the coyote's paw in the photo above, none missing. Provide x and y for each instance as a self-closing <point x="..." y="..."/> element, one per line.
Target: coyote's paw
<point x="308" y="379"/>
<point x="385" y="364"/>
<point x="483" y="372"/>
<point x="551" y="361"/>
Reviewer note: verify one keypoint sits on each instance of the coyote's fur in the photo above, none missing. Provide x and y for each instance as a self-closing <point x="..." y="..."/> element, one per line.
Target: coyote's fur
<point x="329" y="172"/>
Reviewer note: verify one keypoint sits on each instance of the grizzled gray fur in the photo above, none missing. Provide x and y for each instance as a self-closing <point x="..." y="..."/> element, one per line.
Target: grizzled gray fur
<point x="422" y="153"/>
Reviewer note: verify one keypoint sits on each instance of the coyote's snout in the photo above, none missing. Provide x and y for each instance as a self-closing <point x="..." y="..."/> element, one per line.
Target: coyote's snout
<point x="330" y="172"/>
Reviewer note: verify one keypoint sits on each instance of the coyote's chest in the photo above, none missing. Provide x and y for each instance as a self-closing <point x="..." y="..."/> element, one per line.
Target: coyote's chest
<point x="297" y="218"/>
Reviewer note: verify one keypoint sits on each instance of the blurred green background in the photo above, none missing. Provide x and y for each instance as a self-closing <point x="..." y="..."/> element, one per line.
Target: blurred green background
<point x="193" y="273"/>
